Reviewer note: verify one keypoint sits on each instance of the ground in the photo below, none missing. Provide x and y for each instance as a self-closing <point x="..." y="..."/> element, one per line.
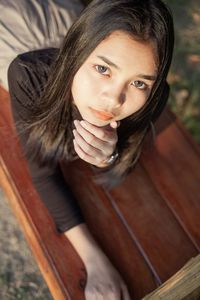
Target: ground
<point x="20" y="278"/>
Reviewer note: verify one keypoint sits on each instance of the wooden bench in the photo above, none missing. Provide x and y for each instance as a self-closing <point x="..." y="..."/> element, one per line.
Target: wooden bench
<point x="149" y="226"/>
<point x="185" y="284"/>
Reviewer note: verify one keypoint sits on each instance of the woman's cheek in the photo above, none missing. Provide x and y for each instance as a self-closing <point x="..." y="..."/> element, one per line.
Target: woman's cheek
<point x="79" y="86"/>
<point x="135" y="102"/>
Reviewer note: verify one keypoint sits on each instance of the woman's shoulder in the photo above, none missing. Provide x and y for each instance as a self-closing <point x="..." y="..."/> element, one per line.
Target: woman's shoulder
<point x="31" y="67"/>
<point x="38" y="57"/>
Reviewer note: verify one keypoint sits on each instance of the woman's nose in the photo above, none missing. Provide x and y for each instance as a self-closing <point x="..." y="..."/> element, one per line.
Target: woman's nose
<point x="115" y="97"/>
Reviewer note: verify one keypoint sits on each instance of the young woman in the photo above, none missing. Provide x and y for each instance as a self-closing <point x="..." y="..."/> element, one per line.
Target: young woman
<point x="95" y="99"/>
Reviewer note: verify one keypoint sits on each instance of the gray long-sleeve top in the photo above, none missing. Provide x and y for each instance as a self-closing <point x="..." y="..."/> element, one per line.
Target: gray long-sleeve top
<point x="26" y="74"/>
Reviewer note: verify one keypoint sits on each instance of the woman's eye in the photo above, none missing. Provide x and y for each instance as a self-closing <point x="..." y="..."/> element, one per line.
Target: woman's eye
<point x="101" y="69"/>
<point x="139" y="84"/>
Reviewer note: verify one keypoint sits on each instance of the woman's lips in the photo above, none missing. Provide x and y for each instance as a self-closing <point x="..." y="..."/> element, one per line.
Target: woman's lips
<point x="103" y="115"/>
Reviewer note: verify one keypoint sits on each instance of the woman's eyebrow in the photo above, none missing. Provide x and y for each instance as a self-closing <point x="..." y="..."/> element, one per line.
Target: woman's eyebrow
<point x="110" y="63"/>
<point x="147" y="77"/>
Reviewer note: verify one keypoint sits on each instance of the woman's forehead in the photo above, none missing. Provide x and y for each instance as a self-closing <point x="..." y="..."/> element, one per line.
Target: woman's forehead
<point x="122" y="50"/>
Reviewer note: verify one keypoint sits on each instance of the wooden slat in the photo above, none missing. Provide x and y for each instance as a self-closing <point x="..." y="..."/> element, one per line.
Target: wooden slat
<point x="153" y="226"/>
<point x="185" y="284"/>
<point x="175" y="172"/>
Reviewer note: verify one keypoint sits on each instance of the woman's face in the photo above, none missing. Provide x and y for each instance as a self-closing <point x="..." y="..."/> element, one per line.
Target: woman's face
<point x="115" y="80"/>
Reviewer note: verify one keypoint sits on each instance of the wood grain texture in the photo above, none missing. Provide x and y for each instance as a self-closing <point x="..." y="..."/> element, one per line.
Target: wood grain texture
<point x="175" y="172"/>
<point x="109" y="231"/>
<point x="185" y="284"/>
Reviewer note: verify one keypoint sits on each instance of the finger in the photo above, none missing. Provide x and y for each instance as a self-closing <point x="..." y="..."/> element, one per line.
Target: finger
<point x="114" y="295"/>
<point x="99" y="132"/>
<point x="98" y="156"/>
<point x="125" y="293"/>
<point x="115" y="124"/>
<point x="90" y="138"/>
<point x="87" y="148"/>
<point x="84" y="156"/>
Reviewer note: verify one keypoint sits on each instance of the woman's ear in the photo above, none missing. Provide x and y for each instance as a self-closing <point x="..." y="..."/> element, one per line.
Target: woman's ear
<point x="162" y="103"/>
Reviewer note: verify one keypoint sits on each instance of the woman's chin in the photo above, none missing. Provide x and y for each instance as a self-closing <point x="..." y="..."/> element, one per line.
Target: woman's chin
<point x="97" y="122"/>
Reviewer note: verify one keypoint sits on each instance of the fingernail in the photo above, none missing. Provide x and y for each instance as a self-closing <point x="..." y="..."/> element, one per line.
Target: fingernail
<point x="113" y="124"/>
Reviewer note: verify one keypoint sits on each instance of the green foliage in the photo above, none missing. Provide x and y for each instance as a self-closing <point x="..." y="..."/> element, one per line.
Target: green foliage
<point x="185" y="70"/>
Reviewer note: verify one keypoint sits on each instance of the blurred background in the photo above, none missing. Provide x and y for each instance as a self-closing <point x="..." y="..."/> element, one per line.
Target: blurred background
<point x="20" y="278"/>
<point x="185" y="71"/>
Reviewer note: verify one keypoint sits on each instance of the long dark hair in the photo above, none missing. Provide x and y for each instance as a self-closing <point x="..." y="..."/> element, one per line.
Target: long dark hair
<point x="51" y="122"/>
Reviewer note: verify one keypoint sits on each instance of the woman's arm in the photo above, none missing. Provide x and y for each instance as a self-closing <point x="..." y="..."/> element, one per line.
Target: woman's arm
<point x="48" y="181"/>
<point x="84" y="243"/>
<point x="103" y="280"/>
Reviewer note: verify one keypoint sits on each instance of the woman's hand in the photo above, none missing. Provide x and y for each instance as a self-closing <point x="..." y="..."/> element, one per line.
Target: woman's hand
<point x="103" y="281"/>
<point x="95" y="144"/>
